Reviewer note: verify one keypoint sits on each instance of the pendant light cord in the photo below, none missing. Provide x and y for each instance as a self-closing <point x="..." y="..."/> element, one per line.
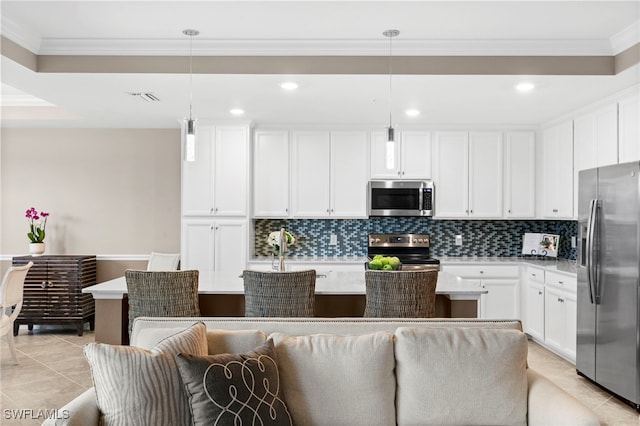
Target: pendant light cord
<point x="390" y="74"/>
<point x="190" y="74"/>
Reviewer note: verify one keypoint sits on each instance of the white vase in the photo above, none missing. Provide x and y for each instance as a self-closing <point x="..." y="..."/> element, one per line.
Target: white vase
<point x="36" y="249"/>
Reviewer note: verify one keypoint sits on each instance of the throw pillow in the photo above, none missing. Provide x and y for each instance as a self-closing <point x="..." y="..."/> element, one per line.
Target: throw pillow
<point x="135" y="386"/>
<point x="454" y="376"/>
<point x="235" y="389"/>
<point x="338" y="379"/>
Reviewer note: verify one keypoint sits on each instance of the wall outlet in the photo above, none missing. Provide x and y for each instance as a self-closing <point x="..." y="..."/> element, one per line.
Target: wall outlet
<point x="333" y="240"/>
<point x="573" y="242"/>
<point x="458" y="240"/>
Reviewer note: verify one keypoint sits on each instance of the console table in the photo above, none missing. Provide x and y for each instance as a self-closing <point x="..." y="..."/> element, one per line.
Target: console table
<point x="53" y="291"/>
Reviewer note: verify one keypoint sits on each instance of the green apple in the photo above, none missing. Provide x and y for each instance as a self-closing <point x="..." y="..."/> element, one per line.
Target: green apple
<point x="395" y="262"/>
<point x="387" y="267"/>
<point x="375" y="264"/>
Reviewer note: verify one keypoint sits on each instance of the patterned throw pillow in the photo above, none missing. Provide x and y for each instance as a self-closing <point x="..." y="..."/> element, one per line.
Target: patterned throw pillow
<point x="135" y="386"/>
<point x="235" y="389"/>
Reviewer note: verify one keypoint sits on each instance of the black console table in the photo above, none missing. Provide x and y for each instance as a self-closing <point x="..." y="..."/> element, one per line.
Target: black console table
<point x="53" y="291"/>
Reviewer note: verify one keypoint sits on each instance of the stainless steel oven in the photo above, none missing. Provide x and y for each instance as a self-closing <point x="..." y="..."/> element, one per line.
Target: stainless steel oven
<point x="400" y="198"/>
<point x="413" y="250"/>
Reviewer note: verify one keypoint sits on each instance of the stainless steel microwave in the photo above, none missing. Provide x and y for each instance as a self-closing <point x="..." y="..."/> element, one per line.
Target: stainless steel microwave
<point x="400" y="198"/>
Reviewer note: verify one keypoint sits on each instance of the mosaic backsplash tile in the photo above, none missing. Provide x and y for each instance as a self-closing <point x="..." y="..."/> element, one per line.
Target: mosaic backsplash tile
<point x="480" y="237"/>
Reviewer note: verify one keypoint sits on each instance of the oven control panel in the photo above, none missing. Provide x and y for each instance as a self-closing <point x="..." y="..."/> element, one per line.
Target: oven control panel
<point x="398" y="240"/>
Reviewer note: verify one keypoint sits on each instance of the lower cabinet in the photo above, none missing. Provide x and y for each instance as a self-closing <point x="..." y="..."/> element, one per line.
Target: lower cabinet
<point x="214" y="245"/>
<point x="550" y="307"/>
<point x="502" y="301"/>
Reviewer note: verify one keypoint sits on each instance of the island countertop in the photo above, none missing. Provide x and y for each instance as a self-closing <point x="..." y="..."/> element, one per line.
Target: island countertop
<point x="327" y="283"/>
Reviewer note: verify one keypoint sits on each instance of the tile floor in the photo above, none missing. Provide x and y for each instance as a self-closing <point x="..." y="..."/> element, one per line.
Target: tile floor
<point x="52" y="371"/>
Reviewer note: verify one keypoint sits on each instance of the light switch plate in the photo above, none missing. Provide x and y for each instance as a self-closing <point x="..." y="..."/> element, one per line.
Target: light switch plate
<point x="458" y="240"/>
<point x="333" y="240"/>
<point x="573" y="242"/>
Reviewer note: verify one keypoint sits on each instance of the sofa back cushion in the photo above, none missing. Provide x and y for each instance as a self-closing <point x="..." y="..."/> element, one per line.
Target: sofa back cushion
<point x="338" y="379"/>
<point x="461" y="376"/>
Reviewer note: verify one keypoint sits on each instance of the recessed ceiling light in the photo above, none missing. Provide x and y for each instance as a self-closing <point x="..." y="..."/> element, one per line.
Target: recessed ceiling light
<point x="525" y="87"/>
<point x="412" y="112"/>
<point x="289" y="85"/>
<point x="236" y="111"/>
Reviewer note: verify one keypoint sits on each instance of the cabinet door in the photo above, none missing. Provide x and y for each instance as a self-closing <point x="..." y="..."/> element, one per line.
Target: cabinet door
<point x="502" y="300"/>
<point x="349" y="167"/>
<point x="231" y="171"/>
<point x="197" y="245"/>
<point x="271" y="174"/>
<point x="519" y="178"/>
<point x="557" y="172"/>
<point x="629" y="129"/>
<point x="485" y="174"/>
<point x="451" y="173"/>
<point x="230" y="246"/>
<point x="555" y="324"/>
<point x="571" y="306"/>
<point x="415" y="155"/>
<point x="197" y="176"/>
<point x="534" y="324"/>
<point x="385" y="159"/>
<point x="310" y="184"/>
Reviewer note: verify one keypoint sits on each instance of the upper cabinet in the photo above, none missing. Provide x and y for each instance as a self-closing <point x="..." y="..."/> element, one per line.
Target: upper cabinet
<point x="329" y="174"/>
<point x="409" y="157"/>
<point x="468" y="171"/>
<point x="216" y="183"/>
<point x="629" y="128"/>
<point x="271" y="173"/>
<point x="596" y="138"/>
<point x="519" y="174"/>
<point x="557" y="171"/>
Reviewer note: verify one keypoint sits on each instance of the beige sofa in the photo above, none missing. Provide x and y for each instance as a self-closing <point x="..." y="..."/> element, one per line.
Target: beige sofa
<point x="381" y="371"/>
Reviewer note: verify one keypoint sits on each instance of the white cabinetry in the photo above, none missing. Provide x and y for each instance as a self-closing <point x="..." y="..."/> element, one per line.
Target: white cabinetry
<point x="214" y="245"/>
<point x="519" y="175"/>
<point x="503" y="284"/>
<point x="329" y="174"/>
<point x="560" y="314"/>
<point x="596" y="138"/>
<point x="557" y="171"/>
<point x="411" y="156"/>
<point x="534" y="306"/>
<point x="629" y="128"/>
<point x="216" y="182"/>
<point x="468" y="174"/>
<point x="271" y="173"/>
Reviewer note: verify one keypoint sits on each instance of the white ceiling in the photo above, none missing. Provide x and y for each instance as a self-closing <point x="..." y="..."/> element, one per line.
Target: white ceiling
<point x="349" y="28"/>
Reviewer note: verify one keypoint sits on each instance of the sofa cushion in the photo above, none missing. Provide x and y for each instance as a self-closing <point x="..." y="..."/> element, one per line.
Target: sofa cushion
<point x="338" y="380"/>
<point x="143" y="387"/>
<point x="461" y="376"/>
<point x="234" y="389"/>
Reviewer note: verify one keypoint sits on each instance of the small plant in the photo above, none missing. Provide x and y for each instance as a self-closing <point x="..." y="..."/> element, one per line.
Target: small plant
<point x="37" y="225"/>
<point x="274" y="241"/>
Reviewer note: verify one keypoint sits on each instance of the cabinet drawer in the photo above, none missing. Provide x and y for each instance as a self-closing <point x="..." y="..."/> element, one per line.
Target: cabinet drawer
<point x="566" y="282"/>
<point x="483" y="271"/>
<point x="535" y="274"/>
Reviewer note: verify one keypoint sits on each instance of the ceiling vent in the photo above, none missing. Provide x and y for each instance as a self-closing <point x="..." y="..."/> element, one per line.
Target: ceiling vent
<point x="147" y="97"/>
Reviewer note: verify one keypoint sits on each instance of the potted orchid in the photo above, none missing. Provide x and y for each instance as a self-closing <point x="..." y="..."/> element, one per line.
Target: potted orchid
<point x="37" y="227"/>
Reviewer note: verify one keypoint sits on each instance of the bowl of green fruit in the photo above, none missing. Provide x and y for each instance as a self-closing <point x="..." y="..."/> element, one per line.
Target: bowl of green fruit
<point x="384" y="263"/>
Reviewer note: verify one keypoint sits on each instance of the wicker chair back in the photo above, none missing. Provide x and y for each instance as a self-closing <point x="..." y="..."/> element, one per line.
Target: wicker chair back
<point x="279" y="294"/>
<point x="400" y="294"/>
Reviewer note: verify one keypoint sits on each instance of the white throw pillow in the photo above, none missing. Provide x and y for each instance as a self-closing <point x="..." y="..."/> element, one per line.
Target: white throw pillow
<point x="338" y="380"/>
<point x="461" y="376"/>
<point x="135" y="386"/>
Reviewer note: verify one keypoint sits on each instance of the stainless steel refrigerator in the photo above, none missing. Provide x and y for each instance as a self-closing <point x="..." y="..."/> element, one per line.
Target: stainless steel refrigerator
<point x="608" y="332"/>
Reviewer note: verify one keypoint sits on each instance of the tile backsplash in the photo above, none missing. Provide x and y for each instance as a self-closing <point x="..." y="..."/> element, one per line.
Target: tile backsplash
<point x="480" y="237"/>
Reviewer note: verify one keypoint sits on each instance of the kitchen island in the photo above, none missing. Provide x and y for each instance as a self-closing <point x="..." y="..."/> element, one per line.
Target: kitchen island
<point x="338" y="294"/>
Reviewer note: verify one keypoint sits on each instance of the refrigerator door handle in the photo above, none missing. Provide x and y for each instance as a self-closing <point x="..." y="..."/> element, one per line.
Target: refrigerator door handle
<point x="589" y="249"/>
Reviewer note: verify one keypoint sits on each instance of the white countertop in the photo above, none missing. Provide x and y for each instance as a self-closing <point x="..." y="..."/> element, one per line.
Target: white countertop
<point x="327" y="283"/>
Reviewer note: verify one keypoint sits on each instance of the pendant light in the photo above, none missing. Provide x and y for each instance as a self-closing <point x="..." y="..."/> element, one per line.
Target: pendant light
<point x="390" y="145"/>
<point x="190" y="123"/>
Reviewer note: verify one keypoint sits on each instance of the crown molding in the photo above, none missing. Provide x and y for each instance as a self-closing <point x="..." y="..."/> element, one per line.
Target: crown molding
<point x="626" y="38"/>
<point x="167" y="47"/>
<point x="18" y="35"/>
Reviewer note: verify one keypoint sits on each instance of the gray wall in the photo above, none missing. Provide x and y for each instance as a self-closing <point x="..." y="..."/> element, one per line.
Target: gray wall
<point x="109" y="191"/>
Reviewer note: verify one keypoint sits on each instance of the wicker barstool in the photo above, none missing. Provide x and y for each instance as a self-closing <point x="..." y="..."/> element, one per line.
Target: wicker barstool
<point x="279" y="294"/>
<point x="162" y="294"/>
<point x="400" y="294"/>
